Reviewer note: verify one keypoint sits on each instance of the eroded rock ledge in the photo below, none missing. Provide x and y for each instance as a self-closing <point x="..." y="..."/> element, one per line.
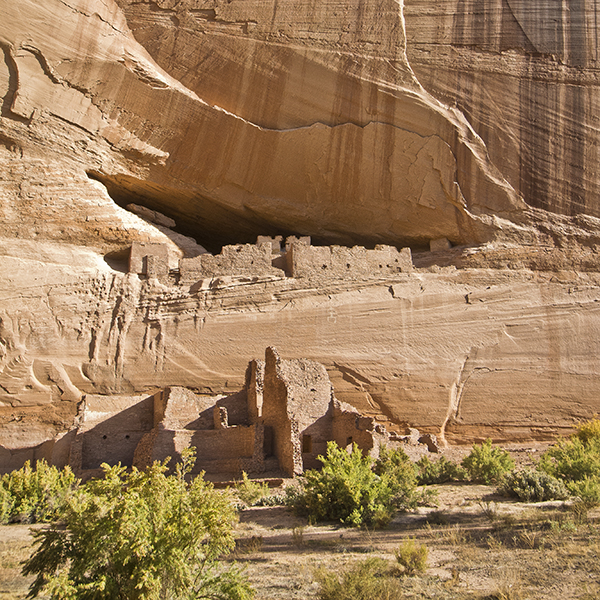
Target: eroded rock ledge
<point x="458" y="353"/>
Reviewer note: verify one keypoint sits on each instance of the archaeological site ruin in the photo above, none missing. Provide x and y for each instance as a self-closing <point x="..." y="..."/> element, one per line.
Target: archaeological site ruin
<point x="255" y="227"/>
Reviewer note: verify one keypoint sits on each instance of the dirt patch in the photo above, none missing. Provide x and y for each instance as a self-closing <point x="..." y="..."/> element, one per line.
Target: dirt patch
<point x="481" y="545"/>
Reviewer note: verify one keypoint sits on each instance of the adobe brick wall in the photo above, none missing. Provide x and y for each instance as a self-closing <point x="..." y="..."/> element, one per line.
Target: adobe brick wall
<point x="350" y="427"/>
<point x="275" y="415"/>
<point x="109" y="430"/>
<point x="179" y="408"/>
<point x="254" y="389"/>
<point x="149" y="259"/>
<point x="230" y="443"/>
<point x="342" y="262"/>
<point x="296" y="406"/>
<point x="237" y="407"/>
<point x="241" y="259"/>
<point x="287" y="411"/>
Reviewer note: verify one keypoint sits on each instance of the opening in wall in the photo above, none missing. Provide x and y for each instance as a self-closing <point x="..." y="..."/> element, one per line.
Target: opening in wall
<point x="306" y="444"/>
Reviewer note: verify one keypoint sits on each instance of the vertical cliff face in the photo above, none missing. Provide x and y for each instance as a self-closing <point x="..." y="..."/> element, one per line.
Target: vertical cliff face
<point x="358" y="121"/>
<point x="292" y="117"/>
<point x="473" y="123"/>
<point x="526" y="76"/>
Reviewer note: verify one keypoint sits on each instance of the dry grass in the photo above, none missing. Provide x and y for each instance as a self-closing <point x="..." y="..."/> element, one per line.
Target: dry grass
<point x="478" y="550"/>
<point x="15" y="546"/>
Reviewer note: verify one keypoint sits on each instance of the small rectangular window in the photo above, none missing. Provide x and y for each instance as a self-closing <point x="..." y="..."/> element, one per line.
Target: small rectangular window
<point x="306" y="444"/>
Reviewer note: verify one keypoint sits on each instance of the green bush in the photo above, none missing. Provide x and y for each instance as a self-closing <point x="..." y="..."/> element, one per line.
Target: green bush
<point x="346" y="489"/>
<point x="371" y="579"/>
<point x="412" y="557"/>
<point x="587" y="490"/>
<point x="439" y="471"/>
<point x="5" y="505"/>
<point x="251" y="492"/>
<point x="533" y="486"/>
<point x="576" y="461"/>
<point x="141" y="536"/>
<point x="400" y="474"/>
<point x="35" y="495"/>
<point x="487" y="464"/>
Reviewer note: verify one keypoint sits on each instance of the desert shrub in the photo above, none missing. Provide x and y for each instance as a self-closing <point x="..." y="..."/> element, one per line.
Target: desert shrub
<point x="533" y="486"/>
<point x="251" y="492"/>
<point x="587" y="490"/>
<point x="272" y="500"/>
<point x="143" y="535"/>
<point x="371" y="579"/>
<point x="487" y="464"/>
<point x="5" y="505"/>
<point x="576" y="461"/>
<point x="412" y="557"/>
<point x="399" y="472"/>
<point x="439" y="471"/>
<point x="346" y="489"/>
<point x="35" y="495"/>
<point x="589" y="432"/>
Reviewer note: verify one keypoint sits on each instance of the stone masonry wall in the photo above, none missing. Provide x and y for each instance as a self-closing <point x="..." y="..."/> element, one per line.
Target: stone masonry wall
<point x="109" y="430"/>
<point x="254" y="386"/>
<point x="242" y="259"/>
<point x="179" y="408"/>
<point x="340" y="262"/>
<point x="275" y="415"/>
<point x="149" y="259"/>
<point x="296" y="404"/>
<point x="350" y="427"/>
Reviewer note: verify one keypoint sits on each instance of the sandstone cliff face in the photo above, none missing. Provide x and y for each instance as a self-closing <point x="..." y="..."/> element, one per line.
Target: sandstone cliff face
<point x="526" y="75"/>
<point x="363" y="121"/>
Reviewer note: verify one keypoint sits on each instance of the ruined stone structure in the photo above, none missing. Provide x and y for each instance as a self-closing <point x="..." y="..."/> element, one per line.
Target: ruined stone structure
<point x="281" y="421"/>
<point x="150" y="260"/>
<point x="266" y="258"/>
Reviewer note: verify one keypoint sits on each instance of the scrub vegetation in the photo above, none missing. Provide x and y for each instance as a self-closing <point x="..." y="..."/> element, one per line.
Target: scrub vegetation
<point x="361" y="528"/>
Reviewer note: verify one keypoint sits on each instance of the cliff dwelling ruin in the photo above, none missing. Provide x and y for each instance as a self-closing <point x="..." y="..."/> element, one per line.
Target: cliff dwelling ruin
<point x="278" y="423"/>
<point x="267" y="258"/>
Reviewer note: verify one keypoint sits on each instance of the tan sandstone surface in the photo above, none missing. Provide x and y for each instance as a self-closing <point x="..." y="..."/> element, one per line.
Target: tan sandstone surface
<point x="470" y="128"/>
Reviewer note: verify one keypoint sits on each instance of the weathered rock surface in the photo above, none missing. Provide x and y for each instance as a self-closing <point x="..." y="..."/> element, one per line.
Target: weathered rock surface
<point x="363" y="121"/>
<point x="526" y="75"/>
<point x="461" y="354"/>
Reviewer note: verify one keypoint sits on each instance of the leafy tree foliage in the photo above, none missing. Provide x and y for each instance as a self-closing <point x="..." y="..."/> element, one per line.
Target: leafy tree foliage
<point x="32" y="495"/>
<point x="139" y="536"/>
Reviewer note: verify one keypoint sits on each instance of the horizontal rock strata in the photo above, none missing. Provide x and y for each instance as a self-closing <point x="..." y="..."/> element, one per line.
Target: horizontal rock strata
<point x="459" y="353"/>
